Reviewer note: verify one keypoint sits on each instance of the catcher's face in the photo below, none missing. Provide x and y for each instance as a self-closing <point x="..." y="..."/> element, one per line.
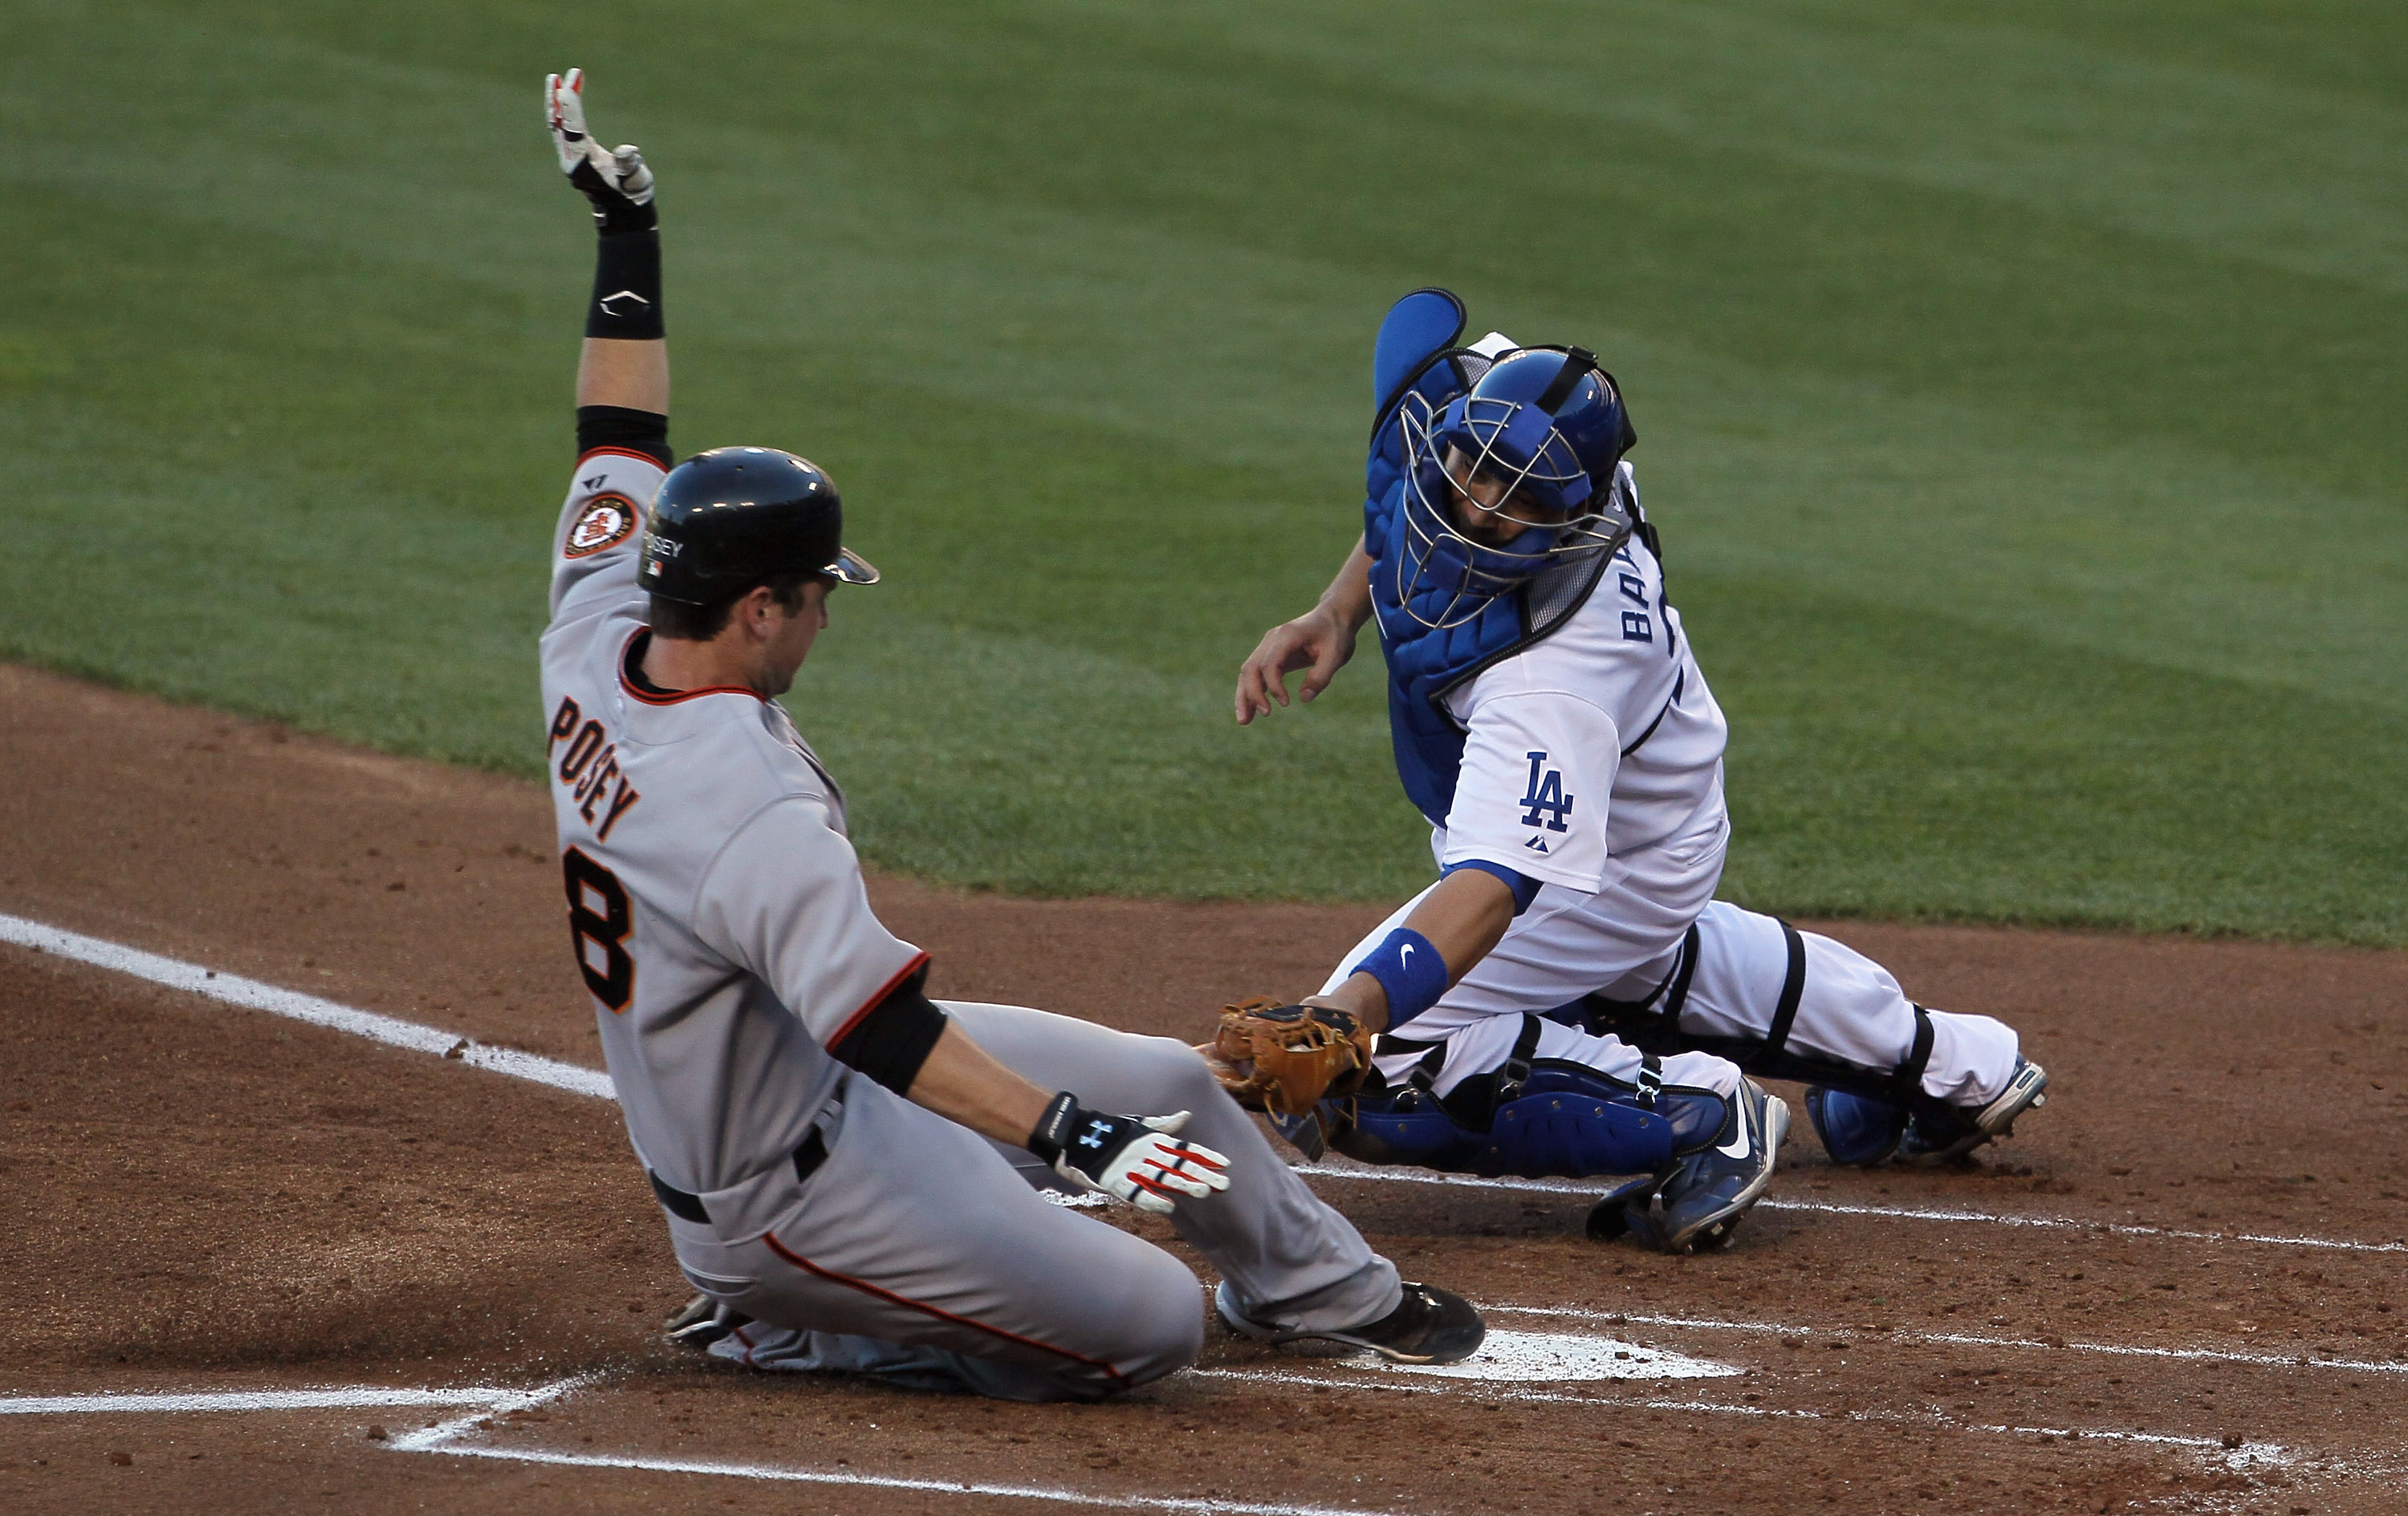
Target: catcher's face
<point x="1486" y="509"/>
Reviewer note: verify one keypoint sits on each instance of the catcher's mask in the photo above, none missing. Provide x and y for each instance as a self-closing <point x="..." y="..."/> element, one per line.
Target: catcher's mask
<point x="1529" y="453"/>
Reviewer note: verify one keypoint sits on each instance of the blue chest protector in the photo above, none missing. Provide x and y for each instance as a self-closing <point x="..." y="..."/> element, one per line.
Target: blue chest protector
<point x="1426" y="662"/>
<point x="1416" y="364"/>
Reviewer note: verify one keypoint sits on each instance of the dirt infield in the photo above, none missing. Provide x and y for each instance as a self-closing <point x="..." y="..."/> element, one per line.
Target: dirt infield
<point x="2178" y="1289"/>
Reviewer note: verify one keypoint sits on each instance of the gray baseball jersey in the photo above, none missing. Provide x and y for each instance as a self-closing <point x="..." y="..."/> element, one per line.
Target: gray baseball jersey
<point x="721" y="926"/>
<point x="717" y="906"/>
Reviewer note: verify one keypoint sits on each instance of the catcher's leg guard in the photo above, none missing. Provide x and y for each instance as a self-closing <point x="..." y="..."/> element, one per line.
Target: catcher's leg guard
<point x="1868" y="1133"/>
<point x="1854" y="1130"/>
<point x="1569" y="1122"/>
<point x="1406" y="1127"/>
<point x="1537" y="1118"/>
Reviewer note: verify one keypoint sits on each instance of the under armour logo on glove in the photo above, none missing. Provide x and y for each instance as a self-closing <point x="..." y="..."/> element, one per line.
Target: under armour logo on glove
<point x="1131" y="1158"/>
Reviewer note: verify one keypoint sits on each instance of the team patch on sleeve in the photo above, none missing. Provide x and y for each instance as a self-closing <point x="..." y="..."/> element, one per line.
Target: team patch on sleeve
<point x="607" y="520"/>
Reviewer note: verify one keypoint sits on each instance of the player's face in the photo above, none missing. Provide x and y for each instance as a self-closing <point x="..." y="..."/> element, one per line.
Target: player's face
<point x="790" y="635"/>
<point x="1486" y="511"/>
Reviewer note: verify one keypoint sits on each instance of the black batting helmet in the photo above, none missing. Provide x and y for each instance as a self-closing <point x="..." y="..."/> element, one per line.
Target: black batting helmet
<point x="727" y="519"/>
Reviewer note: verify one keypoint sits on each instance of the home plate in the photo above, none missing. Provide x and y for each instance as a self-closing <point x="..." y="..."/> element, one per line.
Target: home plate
<point x="1555" y="1357"/>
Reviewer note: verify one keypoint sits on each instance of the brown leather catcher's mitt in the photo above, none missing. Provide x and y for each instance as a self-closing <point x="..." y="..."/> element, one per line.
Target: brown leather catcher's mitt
<point x="1287" y="1058"/>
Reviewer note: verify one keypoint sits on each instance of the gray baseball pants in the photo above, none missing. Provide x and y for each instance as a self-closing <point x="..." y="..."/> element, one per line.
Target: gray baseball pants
<point x="924" y="1254"/>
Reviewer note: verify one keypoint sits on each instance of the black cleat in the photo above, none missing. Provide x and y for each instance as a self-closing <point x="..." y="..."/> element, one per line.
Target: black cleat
<point x="702" y="1321"/>
<point x="1430" y="1325"/>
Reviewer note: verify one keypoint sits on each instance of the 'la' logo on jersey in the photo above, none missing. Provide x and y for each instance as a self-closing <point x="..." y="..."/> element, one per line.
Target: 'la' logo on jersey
<point x="1545" y="801"/>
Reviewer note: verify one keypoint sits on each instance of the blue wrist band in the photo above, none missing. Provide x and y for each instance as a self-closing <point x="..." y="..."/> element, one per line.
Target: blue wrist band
<point x="1411" y="970"/>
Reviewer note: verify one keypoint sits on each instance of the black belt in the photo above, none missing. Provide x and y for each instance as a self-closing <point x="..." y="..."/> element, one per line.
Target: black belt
<point x="807" y="1159"/>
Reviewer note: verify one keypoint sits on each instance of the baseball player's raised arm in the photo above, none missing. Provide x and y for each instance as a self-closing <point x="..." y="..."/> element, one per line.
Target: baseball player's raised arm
<point x="622" y="372"/>
<point x="1319" y="641"/>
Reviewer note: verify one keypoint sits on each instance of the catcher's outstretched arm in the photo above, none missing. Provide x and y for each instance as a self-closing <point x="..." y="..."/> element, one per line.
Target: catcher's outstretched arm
<point x="625" y="361"/>
<point x="1464" y="917"/>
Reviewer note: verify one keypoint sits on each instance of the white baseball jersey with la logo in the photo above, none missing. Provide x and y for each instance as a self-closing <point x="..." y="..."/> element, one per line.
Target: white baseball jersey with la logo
<point x="1593" y="765"/>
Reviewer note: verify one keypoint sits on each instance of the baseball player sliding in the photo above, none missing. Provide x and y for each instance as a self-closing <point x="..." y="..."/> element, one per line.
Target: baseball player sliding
<point x="1568" y="998"/>
<point x="850" y="1170"/>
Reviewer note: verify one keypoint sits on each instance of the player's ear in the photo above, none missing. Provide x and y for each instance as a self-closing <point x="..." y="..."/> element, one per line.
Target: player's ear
<point x="753" y="610"/>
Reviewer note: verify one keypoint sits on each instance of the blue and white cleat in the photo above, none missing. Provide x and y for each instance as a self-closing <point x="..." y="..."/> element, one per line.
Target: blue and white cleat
<point x="1937" y="1140"/>
<point x="1698" y="1204"/>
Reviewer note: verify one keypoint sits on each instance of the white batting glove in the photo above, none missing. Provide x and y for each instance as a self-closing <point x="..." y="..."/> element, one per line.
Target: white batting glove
<point x="1132" y="1158"/>
<point x="619" y="183"/>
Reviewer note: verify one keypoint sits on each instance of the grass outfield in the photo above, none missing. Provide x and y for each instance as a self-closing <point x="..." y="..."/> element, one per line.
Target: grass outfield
<point x="2021" y="392"/>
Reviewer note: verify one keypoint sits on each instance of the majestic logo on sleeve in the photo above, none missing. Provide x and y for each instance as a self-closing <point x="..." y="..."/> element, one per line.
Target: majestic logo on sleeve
<point x="605" y="522"/>
<point x="1545" y="801"/>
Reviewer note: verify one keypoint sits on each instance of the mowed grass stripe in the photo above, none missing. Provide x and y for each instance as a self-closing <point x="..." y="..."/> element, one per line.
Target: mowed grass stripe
<point x="2030" y="482"/>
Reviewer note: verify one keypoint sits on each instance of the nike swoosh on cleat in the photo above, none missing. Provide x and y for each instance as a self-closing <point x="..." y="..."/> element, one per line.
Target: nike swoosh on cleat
<point x="1738" y="1146"/>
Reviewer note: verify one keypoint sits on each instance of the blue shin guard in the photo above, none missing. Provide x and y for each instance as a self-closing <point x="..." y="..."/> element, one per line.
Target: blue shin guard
<point x="1563" y="1121"/>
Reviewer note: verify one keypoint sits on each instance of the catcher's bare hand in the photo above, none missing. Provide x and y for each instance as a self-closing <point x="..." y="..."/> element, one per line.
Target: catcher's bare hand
<point x="1287" y="1059"/>
<point x="1319" y="642"/>
<point x="618" y="183"/>
<point x="1132" y="1158"/>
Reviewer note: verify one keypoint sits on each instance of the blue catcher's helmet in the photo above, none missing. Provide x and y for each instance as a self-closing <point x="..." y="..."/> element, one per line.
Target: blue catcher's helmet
<point x="1529" y="456"/>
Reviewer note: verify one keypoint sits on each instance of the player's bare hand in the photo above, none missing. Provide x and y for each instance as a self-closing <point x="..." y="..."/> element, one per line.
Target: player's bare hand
<point x="1318" y="642"/>
<point x="618" y="183"/>
<point x="1134" y="1158"/>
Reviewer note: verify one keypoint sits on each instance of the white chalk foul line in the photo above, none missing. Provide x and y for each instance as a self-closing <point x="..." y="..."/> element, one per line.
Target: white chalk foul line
<point x="1914" y="1213"/>
<point x="2247" y="1454"/>
<point x="1958" y="1340"/>
<point x="394" y="1032"/>
<point x="251" y="995"/>
<point x="1201" y="1505"/>
<point x="354" y="1398"/>
<point x="445" y="1439"/>
<point x="433" y="1438"/>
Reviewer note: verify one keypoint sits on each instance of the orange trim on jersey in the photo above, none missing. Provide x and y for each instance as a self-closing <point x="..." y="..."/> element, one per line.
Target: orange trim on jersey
<point x="647" y="697"/>
<point x="620" y="452"/>
<point x="879" y="999"/>
<point x="942" y="1315"/>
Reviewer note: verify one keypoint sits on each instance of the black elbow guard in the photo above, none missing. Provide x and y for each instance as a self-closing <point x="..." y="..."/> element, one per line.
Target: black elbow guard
<point x="891" y="1040"/>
